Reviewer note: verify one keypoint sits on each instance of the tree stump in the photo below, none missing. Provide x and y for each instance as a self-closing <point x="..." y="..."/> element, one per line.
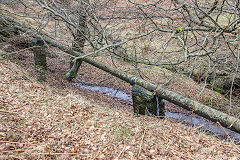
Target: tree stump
<point x="39" y="52"/>
<point x="40" y="59"/>
<point x="146" y="103"/>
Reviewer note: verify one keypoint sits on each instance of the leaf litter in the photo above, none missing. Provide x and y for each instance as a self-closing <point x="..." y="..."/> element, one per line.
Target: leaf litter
<point x="38" y="121"/>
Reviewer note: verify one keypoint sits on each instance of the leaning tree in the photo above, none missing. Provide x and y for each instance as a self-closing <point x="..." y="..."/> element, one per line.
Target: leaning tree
<point x="196" y="37"/>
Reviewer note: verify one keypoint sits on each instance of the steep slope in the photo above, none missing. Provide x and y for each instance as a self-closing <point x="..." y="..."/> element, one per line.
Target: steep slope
<point x="41" y="122"/>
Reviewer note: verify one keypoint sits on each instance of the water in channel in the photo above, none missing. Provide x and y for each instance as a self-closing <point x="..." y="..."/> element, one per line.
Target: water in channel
<point x="189" y="119"/>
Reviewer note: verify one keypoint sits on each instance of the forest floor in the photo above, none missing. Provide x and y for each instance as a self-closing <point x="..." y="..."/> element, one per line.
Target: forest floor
<point x="53" y="119"/>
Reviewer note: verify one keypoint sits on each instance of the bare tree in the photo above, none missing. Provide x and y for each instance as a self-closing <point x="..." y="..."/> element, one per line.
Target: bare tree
<point x="192" y="37"/>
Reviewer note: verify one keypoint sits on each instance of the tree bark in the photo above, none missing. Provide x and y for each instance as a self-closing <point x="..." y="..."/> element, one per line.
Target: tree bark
<point x="39" y="53"/>
<point x="79" y="40"/>
<point x="73" y="70"/>
<point x="146" y="103"/>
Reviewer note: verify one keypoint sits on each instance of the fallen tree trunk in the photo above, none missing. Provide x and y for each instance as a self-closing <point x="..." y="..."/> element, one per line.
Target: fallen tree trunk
<point x="186" y="103"/>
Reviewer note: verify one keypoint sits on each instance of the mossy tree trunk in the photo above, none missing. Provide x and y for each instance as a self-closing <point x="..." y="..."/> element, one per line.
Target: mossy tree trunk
<point x="39" y="52"/>
<point x="79" y="40"/>
<point x="146" y="103"/>
<point x="6" y="29"/>
<point x="40" y="57"/>
<point x="74" y="67"/>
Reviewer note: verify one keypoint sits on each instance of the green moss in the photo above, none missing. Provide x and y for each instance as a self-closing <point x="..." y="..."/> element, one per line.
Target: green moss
<point x="2" y="57"/>
<point x="2" y="39"/>
<point x="63" y="61"/>
<point x="236" y="111"/>
<point x="187" y="95"/>
<point x="209" y="101"/>
<point x="219" y="90"/>
<point x="43" y="69"/>
<point x="219" y="85"/>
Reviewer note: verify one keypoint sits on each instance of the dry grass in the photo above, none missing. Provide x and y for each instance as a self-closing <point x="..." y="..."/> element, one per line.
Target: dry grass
<point x="41" y="122"/>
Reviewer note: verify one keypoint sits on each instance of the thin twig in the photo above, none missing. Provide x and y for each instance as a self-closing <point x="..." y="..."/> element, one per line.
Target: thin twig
<point x="228" y="136"/>
<point x="140" y="148"/>
<point x="26" y="143"/>
<point x="120" y="153"/>
<point x="3" y="111"/>
<point x="61" y="154"/>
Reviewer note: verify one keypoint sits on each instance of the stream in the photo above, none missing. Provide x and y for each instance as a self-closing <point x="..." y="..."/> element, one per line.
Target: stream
<point x="189" y="119"/>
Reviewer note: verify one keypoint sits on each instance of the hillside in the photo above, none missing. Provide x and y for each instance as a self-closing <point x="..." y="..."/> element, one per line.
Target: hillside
<point x="43" y="121"/>
<point x="43" y="116"/>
